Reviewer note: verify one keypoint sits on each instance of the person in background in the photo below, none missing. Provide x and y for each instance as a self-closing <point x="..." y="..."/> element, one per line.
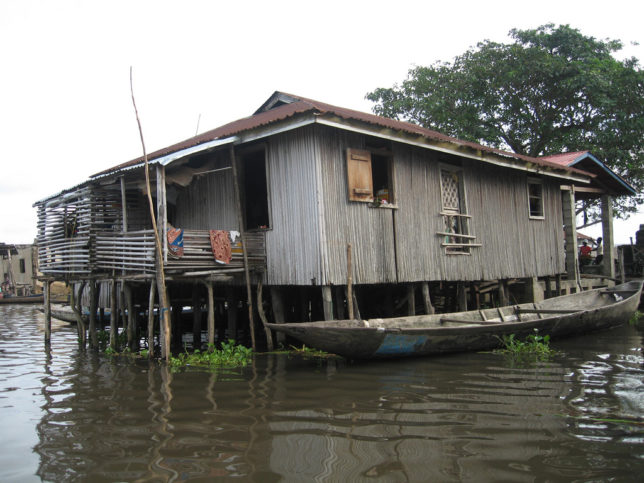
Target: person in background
<point x="599" y="250"/>
<point x="584" y="253"/>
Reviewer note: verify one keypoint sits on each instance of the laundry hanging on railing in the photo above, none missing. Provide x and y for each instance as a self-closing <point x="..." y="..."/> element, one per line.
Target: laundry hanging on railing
<point x="175" y="242"/>
<point x="221" y="246"/>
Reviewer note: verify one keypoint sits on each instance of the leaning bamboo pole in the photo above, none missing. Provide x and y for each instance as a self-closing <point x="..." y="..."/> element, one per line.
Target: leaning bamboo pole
<point x="164" y="310"/>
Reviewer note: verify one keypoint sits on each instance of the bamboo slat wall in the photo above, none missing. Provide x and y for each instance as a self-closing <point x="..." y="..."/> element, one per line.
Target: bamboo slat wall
<point x="133" y="251"/>
<point x="294" y="241"/>
<point x="369" y="230"/>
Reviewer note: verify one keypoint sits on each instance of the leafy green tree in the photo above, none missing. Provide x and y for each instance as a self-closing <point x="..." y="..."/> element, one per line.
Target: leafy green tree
<point x="551" y="90"/>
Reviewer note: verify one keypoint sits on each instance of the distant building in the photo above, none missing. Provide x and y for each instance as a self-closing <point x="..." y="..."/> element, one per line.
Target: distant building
<point x="18" y="268"/>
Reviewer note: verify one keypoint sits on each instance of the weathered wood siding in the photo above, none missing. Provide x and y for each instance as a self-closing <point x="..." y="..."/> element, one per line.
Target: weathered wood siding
<point x="513" y="245"/>
<point x="369" y="230"/>
<point x="402" y="244"/>
<point x="293" y="243"/>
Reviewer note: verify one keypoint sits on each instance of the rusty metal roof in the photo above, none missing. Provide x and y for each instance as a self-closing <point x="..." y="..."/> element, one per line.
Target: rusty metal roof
<point x="281" y="107"/>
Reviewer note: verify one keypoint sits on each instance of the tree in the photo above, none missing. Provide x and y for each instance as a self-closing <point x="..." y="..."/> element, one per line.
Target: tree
<point x="551" y="90"/>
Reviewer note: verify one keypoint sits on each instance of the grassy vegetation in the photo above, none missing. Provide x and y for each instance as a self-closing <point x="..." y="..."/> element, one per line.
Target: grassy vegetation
<point x="230" y="355"/>
<point x="635" y="318"/>
<point x="534" y="347"/>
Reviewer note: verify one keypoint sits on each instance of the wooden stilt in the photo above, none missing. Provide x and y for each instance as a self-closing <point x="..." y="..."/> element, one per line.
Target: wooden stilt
<point x="231" y="300"/>
<point x="339" y="302"/>
<point x="356" y="307"/>
<point x="196" y="318"/>
<point x="211" y="314"/>
<point x="47" y="306"/>
<point x="429" y="308"/>
<point x="113" y="317"/>
<point x="153" y="289"/>
<point x="461" y="297"/>
<point x="504" y="293"/>
<point x="327" y="302"/>
<point x="177" y="310"/>
<point x="278" y="310"/>
<point x="558" y="284"/>
<point x="93" y="302"/>
<point x="129" y="306"/>
<point x="262" y="316"/>
<point x="242" y="230"/>
<point x="350" y="284"/>
<point x="548" y="288"/>
<point x="411" y="299"/>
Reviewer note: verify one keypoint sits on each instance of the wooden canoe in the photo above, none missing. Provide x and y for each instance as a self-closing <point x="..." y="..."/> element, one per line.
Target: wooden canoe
<point x="475" y="330"/>
<point x="23" y="299"/>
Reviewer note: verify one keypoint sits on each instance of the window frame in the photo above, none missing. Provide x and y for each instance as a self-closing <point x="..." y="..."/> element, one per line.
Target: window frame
<point x="535" y="182"/>
<point x="461" y="242"/>
<point x="360" y="178"/>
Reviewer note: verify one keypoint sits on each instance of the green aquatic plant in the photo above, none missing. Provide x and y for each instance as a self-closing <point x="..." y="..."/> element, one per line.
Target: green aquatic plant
<point x="230" y="355"/>
<point x="535" y="346"/>
<point x="309" y="351"/>
<point x="635" y="318"/>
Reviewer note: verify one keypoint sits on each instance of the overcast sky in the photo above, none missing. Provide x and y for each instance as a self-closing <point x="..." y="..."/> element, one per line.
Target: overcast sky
<point x="65" y="106"/>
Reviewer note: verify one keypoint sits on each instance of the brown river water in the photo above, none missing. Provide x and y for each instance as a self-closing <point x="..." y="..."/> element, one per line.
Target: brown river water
<point x="72" y="415"/>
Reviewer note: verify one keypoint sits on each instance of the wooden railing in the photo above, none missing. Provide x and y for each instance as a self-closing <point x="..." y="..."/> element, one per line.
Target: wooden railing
<point x="64" y="256"/>
<point x="134" y="252"/>
<point x="131" y="251"/>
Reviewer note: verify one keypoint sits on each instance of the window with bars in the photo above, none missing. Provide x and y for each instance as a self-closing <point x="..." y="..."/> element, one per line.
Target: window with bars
<point x="457" y="239"/>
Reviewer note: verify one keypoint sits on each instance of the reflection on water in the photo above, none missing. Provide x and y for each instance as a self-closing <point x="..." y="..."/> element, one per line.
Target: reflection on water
<point x="69" y="415"/>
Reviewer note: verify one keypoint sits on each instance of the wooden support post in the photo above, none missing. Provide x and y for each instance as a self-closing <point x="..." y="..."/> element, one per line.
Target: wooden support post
<point x="622" y="272"/>
<point x="429" y="308"/>
<point x="608" y="262"/>
<point x="533" y="292"/>
<point x="504" y="293"/>
<point x="548" y="287"/>
<point x="411" y="299"/>
<point x="132" y="336"/>
<point x="231" y="301"/>
<point x="113" y="317"/>
<point x="46" y="287"/>
<point x="461" y="297"/>
<point x="153" y="289"/>
<point x="242" y="231"/>
<point x="350" y="284"/>
<point x="196" y="318"/>
<point x="278" y="311"/>
<point x="570" y="230"/>
<point x="475" y="296"/>
<point x="177" y="310"/>
<point x="262" y="315"/>
<point x="339" y="302"/>
<point x="356" y="306"/>
<point x="327" y="302"/>
<point x="93" y="303"/>
<point x="75" y="303"/>
<point x="123" y="204"/>
<point x="211" y="314"/>
<point x="558" y="284"/>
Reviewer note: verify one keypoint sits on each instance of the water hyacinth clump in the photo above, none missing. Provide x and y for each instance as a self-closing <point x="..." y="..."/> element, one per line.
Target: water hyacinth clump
<point x="535" y="346"/>
<point x="230" y="355"/>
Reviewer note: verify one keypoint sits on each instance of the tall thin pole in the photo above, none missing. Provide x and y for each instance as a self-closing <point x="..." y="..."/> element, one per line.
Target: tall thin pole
<point x="349" y="282"/>
<point x="164" y="309"/>
<point x="240" y="220"/>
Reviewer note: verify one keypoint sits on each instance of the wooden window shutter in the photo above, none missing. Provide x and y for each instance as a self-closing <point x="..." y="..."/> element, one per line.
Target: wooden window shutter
<point x="359" y="176"/>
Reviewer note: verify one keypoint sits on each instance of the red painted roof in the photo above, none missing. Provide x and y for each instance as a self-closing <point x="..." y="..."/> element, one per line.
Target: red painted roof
<point x="564" y="159"/>
<point x="302" y="105"/>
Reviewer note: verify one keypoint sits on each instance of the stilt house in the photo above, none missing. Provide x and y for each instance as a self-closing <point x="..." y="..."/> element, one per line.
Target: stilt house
<point x="307" y="198"/>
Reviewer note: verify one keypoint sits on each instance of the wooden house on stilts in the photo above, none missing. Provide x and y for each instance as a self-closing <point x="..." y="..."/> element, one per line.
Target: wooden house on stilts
<point x="290" y="213"/>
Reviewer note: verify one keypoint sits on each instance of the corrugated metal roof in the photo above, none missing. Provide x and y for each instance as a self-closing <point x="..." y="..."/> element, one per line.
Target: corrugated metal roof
<point x="292" y="106"/>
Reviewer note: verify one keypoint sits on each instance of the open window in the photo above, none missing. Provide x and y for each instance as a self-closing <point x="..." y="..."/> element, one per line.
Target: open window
<point x="457" y="239"/>
<point x="254" y="189"/>
<point x="535" y="199"/>
<point x="369" y="175"/>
